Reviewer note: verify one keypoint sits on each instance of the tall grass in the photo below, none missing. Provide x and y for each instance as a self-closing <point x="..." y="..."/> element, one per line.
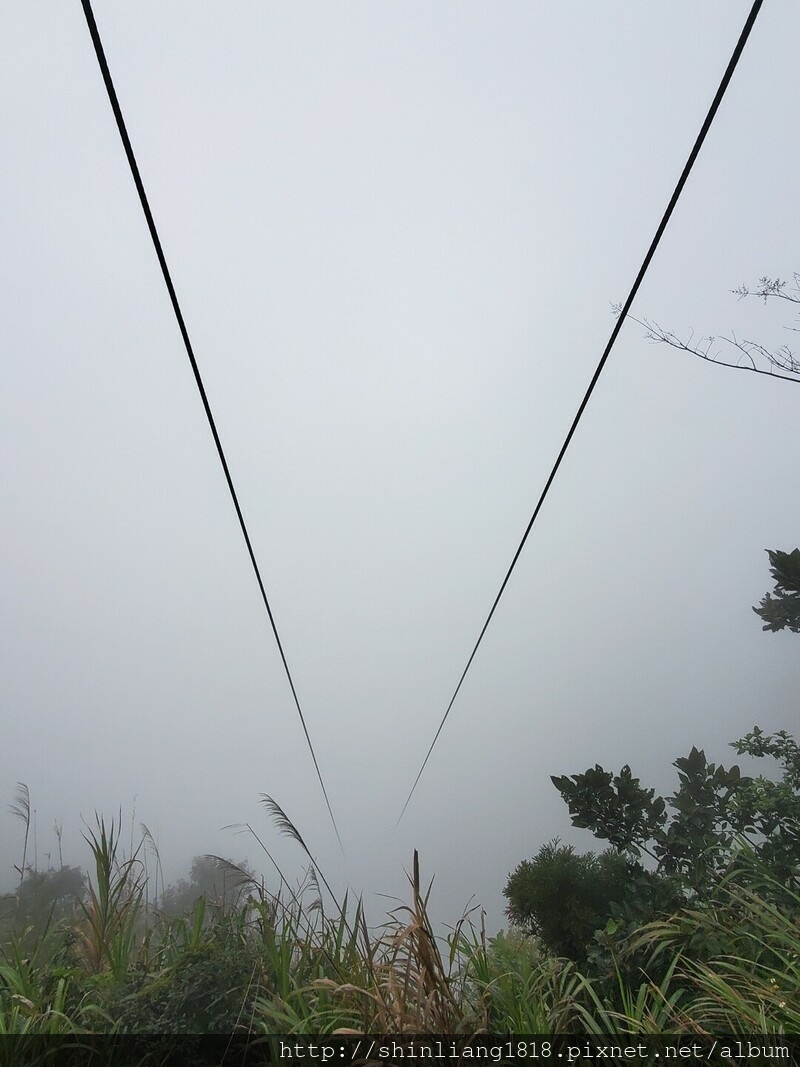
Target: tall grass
<point x="21" y="808"/>
<point x="303" y="961"/>
<point x="110" y="914"/>
<point x="751" y="983"/>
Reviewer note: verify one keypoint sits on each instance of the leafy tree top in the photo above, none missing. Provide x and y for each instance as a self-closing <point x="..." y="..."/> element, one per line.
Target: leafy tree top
<point x="714" y="806"/>
<point x="781" y="611"/>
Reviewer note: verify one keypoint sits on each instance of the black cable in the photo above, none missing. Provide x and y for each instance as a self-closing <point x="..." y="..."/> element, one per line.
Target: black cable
<point x="737" y="52"/>
<point x="112" y="96"/>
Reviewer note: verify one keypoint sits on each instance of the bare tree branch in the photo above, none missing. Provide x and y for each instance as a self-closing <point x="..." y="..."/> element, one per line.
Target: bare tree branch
<point x="752" y="356"/>
<point x="772" y="287"/>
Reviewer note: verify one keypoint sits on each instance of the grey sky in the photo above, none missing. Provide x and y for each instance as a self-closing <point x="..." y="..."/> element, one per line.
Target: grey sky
<point x="395" y="230"/>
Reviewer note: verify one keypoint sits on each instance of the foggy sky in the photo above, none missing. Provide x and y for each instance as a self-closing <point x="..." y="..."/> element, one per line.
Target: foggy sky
<point x="395" y="231"/>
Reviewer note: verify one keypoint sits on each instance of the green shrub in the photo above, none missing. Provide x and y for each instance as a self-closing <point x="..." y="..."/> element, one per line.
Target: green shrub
<point x="563" y="898"/>
<point x="208" y="990"/>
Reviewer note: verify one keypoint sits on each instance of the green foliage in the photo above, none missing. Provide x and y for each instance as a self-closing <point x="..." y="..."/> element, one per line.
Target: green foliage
<point x="111" y="911"/>
<point x="42" y="890"/>
<point x="21" y="1016"/>
<point x="749" y="981"/>
<point x="713" y="808"/>
<point x="628" y="1007"/>
<point x="697" y="842"/>
<point x="33" y="991"/>
<point x="208" y="990"/>
<point x="782" y="611"/>
<point x="525" y="990"/>
<point x="771" y="810"/>
<point x="615" y="808"/>
<point x="219" y="882"/>
<point x="43" y="900"/>
<point x="282" y="964"/>
<point x="341" y="975"/>
<point x="562" y="897"/>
